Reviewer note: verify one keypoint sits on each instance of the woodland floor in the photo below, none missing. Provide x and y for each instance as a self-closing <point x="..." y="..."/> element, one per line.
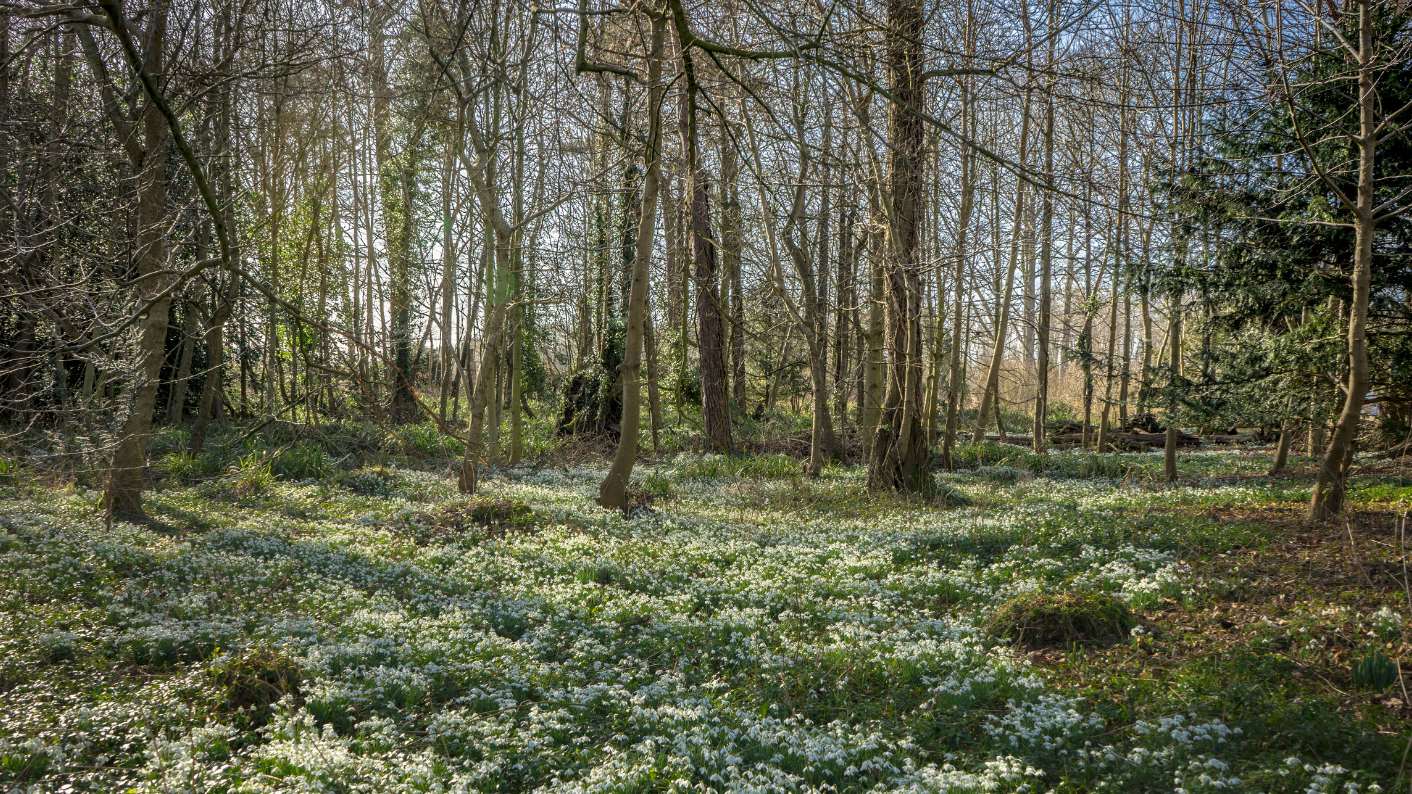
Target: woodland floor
<point x="297" y="624"/>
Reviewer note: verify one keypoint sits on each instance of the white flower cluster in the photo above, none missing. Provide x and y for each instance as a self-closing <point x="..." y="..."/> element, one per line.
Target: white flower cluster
<point x="1050" y="723"/>
<point x="759" y="632"/>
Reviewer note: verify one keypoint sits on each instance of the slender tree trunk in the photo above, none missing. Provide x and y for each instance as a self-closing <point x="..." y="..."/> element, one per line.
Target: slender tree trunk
<point x="654" y="401"/>
<point x="841" y="327"/>
<point x="612" y="493"/>
<point x="1287" y="428"/>
<point x="997" y="354"/>
<point x="1103" y="427"/>
<point x="1329" y="486"/>
<point x="1046" y="234"/>
<point x="215" y="358"/>
<point x="730" y="259"/>
<point x="786" y="353"/>
<point x="448" y="277"/>
<point x="123" y="497"/>
<point x="1174" y="369"/>
<point x="670" y="209"/>
<point x="875" y="366"/>
<point x="176" y="402"/>
<point x="955" y="385"/>
<point x="1124" y="252"/>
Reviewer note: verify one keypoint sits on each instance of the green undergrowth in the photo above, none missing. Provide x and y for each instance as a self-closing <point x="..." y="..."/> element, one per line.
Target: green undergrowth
<point x="358" y="625"/>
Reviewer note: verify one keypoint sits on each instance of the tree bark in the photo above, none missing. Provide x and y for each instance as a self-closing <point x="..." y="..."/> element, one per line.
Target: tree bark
<point x="1103" y="427"/>
<point x="822" y="441"/>
<point x="123" y="497"/>
<point x="176" y="401"/>
<point x="997" y="354"/>
<point x="612" y="493"/>
<point x="900" y="458"/>
<point x="715" y="409"/>
<point x="1174" y="369"/>
<point x="448" y="277"/>
<point x="730" y="260"/>
<point x="954" y="383"/>
<point x="1046" y="234"/>
<point x="1329" y="486"/>
<point x="874" y="363"/>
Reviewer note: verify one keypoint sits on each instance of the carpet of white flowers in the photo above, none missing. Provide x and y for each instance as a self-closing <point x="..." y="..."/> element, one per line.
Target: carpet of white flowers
<point x="744" y="634"/>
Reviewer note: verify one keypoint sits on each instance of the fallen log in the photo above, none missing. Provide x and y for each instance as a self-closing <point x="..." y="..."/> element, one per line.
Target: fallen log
<point x="1239" y="438"/>
<point x="1135" y="440"/>
<point x="1019" y="441"/>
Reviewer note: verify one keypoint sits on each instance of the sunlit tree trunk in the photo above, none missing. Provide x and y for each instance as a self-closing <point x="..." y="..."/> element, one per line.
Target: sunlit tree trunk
<point x="1329" y="485"/>
<point x="123" y="496"/>
<point x="900" y="458"/>
<point x="1046" y="234"/>
<point x="612" y="493"/>
<point x="955" y="384"/>
<point x="991" y="393"/>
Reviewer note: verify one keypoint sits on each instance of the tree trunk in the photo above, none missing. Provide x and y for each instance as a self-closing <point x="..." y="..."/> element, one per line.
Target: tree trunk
<point x="1287" y="428"/>
<point x="215" y="362"/>
<point x="730" y="259"/>
<point x="123" y="497"/>
<point x="612" y="493"/>
<point x="1327" y="499"/>
<point x="1174" y="369"/>
<point x="715" y="409"/>
<point x="1103" y="427"/>
<point x="654" y="400"/>
<point x="448" y="278"/>
<point x="900" y="458"/>
<point x="1046" y="233"/>
<point x="997" y="354"/>
<point x="874" y="365"/>
<point x="176" y="401"/>
<point x="954" y="383"/>
<point x="845" y="298"/>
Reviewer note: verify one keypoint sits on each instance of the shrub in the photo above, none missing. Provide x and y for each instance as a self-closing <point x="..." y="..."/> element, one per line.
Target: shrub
<point x="1040" y="620"/>
<point x="9" y="468"/>
<point x="190" y="468"/>
<point x="427" y="439"/>
<point x="768" y="466"/>
<point x="713" y="467"/>
<point x="249" y="476"/>
<point x="303" y="461"/>
<point x="638" y="501"/>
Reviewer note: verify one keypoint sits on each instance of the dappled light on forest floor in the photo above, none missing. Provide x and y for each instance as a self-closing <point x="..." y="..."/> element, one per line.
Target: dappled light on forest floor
<point x="751" y="629"/>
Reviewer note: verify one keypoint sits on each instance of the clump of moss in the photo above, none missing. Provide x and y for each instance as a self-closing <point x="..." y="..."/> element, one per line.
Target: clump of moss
<point x="1040" y="620"/>
<point x="257" y="680"/>
<point x="370" y="481"/>
<point x="473" y="519"/>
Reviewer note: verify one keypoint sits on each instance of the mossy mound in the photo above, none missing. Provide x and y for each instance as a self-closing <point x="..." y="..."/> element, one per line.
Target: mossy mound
<point x="473" y="519"/>
<point x="370" y="481"/>
<point x="1041" y="620"/>
<point x="257" y="680"/>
